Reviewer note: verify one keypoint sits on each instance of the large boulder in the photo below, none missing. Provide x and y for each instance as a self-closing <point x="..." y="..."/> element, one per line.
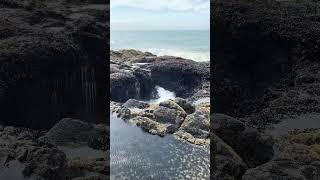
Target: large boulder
<point x="197" y="124"/>
<point x="70" y="131"/>
<point x="252" y="146"/>
<point x="294" y="161"/>
<point x="132" y="103"/>
<point x="169" y="112"/>
<point x="227" y="164"/>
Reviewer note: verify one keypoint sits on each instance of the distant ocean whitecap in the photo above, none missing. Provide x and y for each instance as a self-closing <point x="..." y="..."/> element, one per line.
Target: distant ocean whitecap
<point x="193" y="55"/>
<point x="188" y="44"/>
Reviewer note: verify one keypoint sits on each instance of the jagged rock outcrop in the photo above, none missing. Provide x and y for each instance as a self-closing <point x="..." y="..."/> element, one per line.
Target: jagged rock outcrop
<point x="266" y="55"/>
<point x="180" y="76"/>
<point x="169" y="112"/>
<point x="127" y="82"/>
<point x="197" y="124"/>
<point x="25" y="153"/>
<point x="259" y="48"/>
<point x="142" y="71"/>
<point x="52" y="61"/>
<point x="298" y="158"/>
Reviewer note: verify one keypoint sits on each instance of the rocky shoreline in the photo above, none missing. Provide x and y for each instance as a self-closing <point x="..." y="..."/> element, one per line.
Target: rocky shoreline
<point x="134" y="77"/>
<point x="266" y="77"/>
<point x="43" y="155"/>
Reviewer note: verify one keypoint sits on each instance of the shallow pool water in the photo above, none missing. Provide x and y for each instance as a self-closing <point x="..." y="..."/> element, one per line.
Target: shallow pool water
<point x="136" y="154"/>
<point x="300" y="123"/>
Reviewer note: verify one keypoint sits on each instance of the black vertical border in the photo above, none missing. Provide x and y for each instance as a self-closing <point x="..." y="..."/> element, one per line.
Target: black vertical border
<point x="212" y="67"/>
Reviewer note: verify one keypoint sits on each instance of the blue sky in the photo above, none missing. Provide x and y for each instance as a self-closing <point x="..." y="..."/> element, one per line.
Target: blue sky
<point x="160" y="14"/>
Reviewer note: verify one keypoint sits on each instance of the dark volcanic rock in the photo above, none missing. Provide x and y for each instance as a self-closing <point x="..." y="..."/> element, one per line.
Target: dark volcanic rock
<point x="187" y="106"/>
<point x="132" y="103"/>
<point x="129" y="55"/>
<point x="254" y="148"/>
<point x="123" y="86"/>
<point x="227" y="164"/>
<point x="128" y="83"/>
<point x="266" y="70"/>
<point x="280" y="55"/>
<point x="171" y="73"/>
<point x="100" y="138"/>
<point x="197" y="124"/>
<point x="169" y="112"/>
<point x="179" y="75"/>
<point x="69" y="131"/>
<point x="52" y="62"/>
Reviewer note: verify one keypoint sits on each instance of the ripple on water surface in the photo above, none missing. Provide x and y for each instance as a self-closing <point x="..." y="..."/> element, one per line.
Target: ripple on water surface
<point x="138" y="155"/>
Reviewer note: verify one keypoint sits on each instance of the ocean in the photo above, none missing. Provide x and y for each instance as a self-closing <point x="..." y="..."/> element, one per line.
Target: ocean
<point x="189" y="44"/>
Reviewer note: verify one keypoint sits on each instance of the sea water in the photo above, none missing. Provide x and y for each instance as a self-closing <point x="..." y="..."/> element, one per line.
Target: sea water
<point x="136" y="154"/>
<point x="189" y="44"/>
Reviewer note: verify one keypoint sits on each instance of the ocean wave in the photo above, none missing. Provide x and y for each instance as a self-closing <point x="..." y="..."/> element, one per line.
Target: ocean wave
<point x="200" y="56"/>
<point x="193" y="55"/>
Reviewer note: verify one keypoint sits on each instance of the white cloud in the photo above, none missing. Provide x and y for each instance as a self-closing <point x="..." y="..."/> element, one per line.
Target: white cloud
<point x="176" y="5"/>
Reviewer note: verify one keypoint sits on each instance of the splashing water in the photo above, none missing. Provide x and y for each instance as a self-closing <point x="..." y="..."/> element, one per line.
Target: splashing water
<point x="163" y="95"/>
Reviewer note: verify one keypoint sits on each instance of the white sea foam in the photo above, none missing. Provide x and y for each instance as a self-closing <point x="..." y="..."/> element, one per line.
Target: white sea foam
<point x="193" y="55"/>
<point x="163" y="95"/>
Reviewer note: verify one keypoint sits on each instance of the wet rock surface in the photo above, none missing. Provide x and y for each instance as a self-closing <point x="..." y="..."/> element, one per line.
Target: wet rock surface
<point x="178" y="116"/>
<point x="168" y="117"/>
<point x="266" y="78"/>
<point x="177" y="124"/>
<point x="51" y="54"/>
<point x="147" y="70"/>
